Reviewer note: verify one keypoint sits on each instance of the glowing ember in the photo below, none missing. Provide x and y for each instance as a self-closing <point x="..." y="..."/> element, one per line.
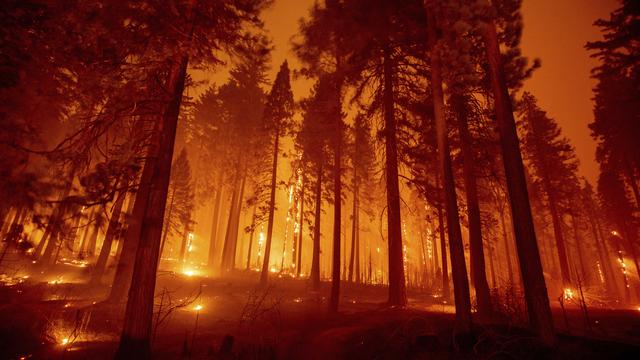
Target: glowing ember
<point x="56" y="281"/>
<point x="190" y="272"/>
<point x="64" y="341"/>
<point x="297" y="300"/>
<point x="198" y="307"/>
<point x="568" y="294"/>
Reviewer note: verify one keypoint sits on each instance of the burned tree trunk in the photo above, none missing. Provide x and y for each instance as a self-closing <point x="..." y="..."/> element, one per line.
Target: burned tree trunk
<point x="264" y="275"/>
<point x="334" y="298"/>
<point x="315" y="261"/>
<point x="456" y="248"/>
<point x="214" y="224"/>
<point x="236" y="226"/>
<point x="535" y="289"/>
<point x="505" y="238"/>
<point x="167" y="225"/>
<point x="227" y="263"/>
<point x="253" y="230"/>
<point x="124" y="268"/>
<point x="301" y="227"/>
<point x="112" y="231"/>
<point x="446" y="290"/>
<point x="478" y="273"/>
<point x="586" y="276"/>
<point x="397" y="286"/>
<point x="354" y="224"/>
<point x="135" y="338"/>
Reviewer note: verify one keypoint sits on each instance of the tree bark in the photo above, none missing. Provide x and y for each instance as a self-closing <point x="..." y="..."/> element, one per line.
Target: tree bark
<point x="55" y="223"/>
<point x="301" y="228"/>
<point x="446" y="290"/>
<point x="236" y="226"/>
<point x="586" y="278"/>
<point x="131" y="238"/>
<point x="315" y="262"/>
<point x="214" y="224"/>
<point x="505" y="238"/>
<point x="112" y="230"/>
<point x="456" y="248"/>
<point x="603" y="253"/>
<point x="253" y="230"/>
<point x="478" y="273"/>
<point x="560" y="242"/>
<point x="82" y="253"/>
<point x="167" y="225"/>
<point x="354" y="219"/>
<point x="264" y="275"/>
<point x="397" y="282"/>
<point x="535" y="289"/>
<point x="334" y="298"/>
<point x="183" y="246"/>
<point x="135" y="338"/>
<point x="228" y="250"/>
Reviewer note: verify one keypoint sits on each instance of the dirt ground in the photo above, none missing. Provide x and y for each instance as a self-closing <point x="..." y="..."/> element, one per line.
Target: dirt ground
<point x="202" y="318"/>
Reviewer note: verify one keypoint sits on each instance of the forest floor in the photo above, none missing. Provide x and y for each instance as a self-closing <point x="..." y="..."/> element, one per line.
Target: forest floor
<point x="56" y="317"/>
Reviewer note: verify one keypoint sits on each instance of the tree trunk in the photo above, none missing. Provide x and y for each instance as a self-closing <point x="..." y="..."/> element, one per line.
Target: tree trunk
<point x="456" y="248"/>
<point x="135" y="338"/>
<point x="214" y="224"/>
<point x="397" y="282"/>
<point x="357" y="234"/>
<point x="126" y="217"/>
<point x="14" y="233"/>
<point x="85" y="235"/>
<point x="315" y="262"/>
<point x="4" y="215"/>
<point x="579" y="246"/>
<point x="535" y="289"/>
<point x="560" y="243"/>
<point x="478" y="273"/>
<point x="236" y="226"/>
<point x="492" y="266"/>
<point x="124" y="268"/>
<point x="55" y="223"/>
<point x="112" y="230"/>
<point x="301" y="228"/>
<point x="228" y="250"/>
<point x="253" y="230"/>
<point x="603" y="255"/>
<point x="505" y="238"/>
<point x="183" y="246"/>
<point x="54" y="229"/>
<point x="334" y="298"/>
<point x="354" y="224"/>
<point x="264" y="276"/>
<point x="93" y="240"/>
<point x="167" y="225"/>
<point x="446" y="291"/>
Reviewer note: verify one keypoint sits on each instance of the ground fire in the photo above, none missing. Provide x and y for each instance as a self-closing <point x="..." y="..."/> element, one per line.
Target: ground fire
<point x="319" y="179"/>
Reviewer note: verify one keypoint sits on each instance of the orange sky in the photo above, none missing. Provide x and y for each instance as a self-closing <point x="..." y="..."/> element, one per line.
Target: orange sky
<point x="555" y="31"/>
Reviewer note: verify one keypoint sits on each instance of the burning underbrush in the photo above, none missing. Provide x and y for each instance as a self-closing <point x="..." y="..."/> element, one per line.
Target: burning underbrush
<point x="48" y="316"/>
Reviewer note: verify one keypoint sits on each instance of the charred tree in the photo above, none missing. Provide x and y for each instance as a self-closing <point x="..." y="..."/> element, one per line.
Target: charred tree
<point x="536" y="297"/>
<point x="113" y="229"/>
<point x="478" y="272"/>
<point x="315" y="261"/>
<point x="456" y="248"/>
